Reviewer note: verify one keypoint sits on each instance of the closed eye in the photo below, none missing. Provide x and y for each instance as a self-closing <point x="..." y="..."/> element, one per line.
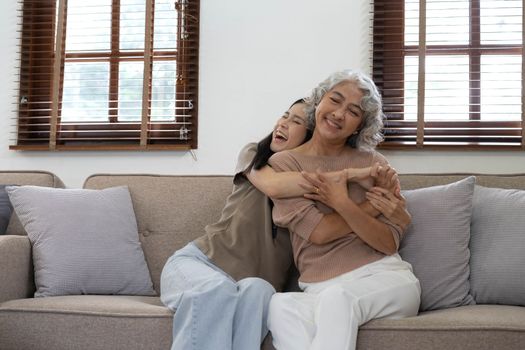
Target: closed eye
<point x="356" y="110"/>
<point x="298" y="120"/>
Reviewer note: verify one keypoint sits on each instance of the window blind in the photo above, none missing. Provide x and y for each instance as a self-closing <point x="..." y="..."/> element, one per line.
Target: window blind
<point x="108" y="75"/>
<point x="450" y="72"/>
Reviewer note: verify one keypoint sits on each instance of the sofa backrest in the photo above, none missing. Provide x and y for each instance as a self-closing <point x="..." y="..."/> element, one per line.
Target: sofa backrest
<point x="170" y="210"/>
<point x="29" y="177"/>
<point x="412" y="181"/>
<point x="173" y="210"/>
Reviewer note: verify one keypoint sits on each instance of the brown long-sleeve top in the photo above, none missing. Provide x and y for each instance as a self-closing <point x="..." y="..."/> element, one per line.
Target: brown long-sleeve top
<point x="241" y="242"/>
<point x="300" y="215"/>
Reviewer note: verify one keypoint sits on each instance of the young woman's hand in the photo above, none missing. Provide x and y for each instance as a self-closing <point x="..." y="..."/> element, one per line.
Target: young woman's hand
<point x="386" y="177"/>
<point x="391" y="205"/>
<point x="365" y="177"/>
<point x="331" y="191"/>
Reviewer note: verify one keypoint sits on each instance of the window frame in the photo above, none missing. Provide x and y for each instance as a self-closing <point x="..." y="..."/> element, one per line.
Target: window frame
<point x="389" y="51"/>
<point x="42" y="78"/>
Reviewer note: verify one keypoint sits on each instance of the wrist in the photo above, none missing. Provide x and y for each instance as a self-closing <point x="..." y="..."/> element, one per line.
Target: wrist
<point x="357" y="174"/>
<point x="342" y="204"/>
<point x="347" y="174"/>
<point x="368" y="208"/>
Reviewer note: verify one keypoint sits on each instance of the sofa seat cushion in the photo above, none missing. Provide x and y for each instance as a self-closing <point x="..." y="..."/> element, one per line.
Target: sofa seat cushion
<point x="472" y="327"/>
<point x="476" y="327"/>
<point x="85" y="322"/>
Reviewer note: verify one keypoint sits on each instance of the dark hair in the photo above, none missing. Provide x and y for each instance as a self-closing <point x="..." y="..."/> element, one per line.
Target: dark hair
<point x="264" y="152"/>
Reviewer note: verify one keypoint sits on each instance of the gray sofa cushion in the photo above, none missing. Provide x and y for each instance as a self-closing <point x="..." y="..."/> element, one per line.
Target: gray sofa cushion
<point x="496" y="245"/>
<point x="27" y="177"/>
<point x="84" y="241"/>
<point x="436" y="242"/>
<point x="5" y="209"/>
<point x="171" y="210"/>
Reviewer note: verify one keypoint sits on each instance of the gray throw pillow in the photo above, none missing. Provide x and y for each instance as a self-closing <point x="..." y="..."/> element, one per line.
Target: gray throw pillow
<point x="436" y="242"/>
<point x="6" y="209"/>
<point x="84" y="241"/>
<point x="497" y="241"/>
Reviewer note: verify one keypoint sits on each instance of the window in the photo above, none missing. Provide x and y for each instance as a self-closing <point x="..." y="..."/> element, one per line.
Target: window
<point x="450" y="72"/>
<point x="108" y="75"/>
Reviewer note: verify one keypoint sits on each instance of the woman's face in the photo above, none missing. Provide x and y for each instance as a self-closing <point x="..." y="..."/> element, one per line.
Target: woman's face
<point x="290" y="130"/>
<point x="339" y="114"/>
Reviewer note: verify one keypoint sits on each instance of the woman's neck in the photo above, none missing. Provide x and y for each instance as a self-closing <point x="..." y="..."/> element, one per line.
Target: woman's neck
<point x="321" y="147"/>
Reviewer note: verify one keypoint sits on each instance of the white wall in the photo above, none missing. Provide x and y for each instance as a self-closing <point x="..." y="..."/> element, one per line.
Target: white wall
<point x="256" y="57"/>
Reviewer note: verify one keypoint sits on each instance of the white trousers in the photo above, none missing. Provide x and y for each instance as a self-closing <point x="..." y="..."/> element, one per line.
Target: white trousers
<point x="328" y="314"/>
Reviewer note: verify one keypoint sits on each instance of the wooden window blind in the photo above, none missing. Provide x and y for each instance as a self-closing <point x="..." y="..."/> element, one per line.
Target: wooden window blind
<point x="450" y="72"/>
<point x="108" y="75"/>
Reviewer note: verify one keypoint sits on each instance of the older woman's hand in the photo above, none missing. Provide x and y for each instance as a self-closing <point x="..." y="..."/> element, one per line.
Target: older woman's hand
<point x="392" y="206"/>
<point x="330" y="190"/>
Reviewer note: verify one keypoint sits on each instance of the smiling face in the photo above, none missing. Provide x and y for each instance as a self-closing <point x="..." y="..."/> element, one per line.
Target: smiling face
<point x="290" y="130"/>
<point x="339" y="114"/>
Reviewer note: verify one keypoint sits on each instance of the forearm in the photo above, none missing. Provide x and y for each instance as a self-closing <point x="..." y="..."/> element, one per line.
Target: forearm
<point x="372" y="231"/>
<point x="277" y="184"/>
<point x="334" y="226"/>
<point x="292" y="184"/>
<point x="368" y="208"/>
<point x="361" y="176"/>
<point x="356" y="174"/>
<point x="331" y="227"/>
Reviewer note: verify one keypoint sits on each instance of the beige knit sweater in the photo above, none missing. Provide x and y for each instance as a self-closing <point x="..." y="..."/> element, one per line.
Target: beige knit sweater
<point x="300" y="215"/>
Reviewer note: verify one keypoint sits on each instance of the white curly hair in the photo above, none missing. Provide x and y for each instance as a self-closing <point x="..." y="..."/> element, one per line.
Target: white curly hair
<point x="370" y="130"/>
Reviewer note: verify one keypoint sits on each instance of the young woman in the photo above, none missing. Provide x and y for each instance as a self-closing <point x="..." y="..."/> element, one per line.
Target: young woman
<point x="221" y="283"/>
<point x="349" y="268"/>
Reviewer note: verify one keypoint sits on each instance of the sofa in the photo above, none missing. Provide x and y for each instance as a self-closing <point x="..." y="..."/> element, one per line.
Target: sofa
<point x="171" y="211"/>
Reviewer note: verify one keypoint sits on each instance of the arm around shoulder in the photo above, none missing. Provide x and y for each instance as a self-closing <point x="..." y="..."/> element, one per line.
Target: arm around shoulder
<point x="278" y="179"/>
<point x="277" y="185"/>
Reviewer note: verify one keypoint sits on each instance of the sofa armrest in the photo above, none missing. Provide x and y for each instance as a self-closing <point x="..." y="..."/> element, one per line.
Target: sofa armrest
<point x="16" y="268"/>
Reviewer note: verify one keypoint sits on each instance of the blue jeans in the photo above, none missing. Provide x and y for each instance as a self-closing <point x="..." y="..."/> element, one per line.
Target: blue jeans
<point x="213" y="311"/>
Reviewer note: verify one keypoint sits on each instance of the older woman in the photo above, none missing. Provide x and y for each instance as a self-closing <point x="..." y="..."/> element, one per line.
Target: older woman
<point x="349" y="268"/>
